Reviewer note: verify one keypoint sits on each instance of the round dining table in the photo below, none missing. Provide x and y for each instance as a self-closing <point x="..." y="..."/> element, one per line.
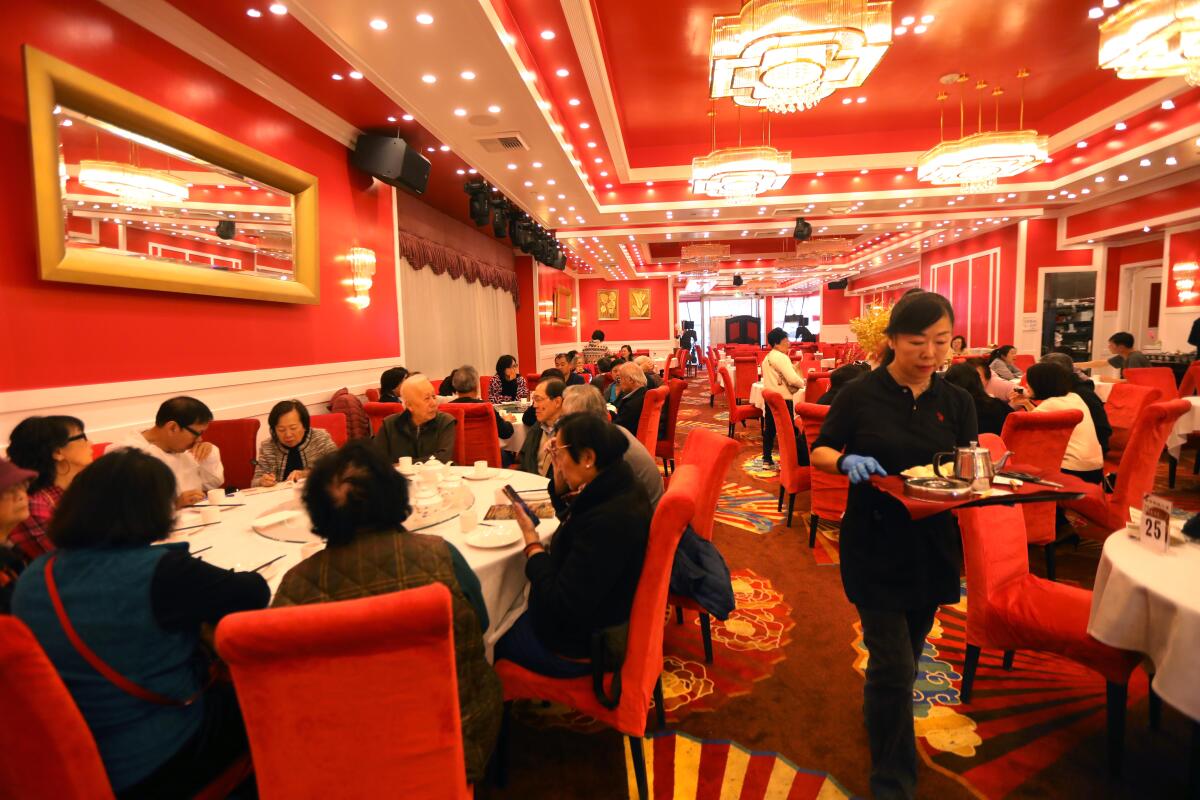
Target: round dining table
<point x="233" y="542"/>
<point x="756" y="395"/>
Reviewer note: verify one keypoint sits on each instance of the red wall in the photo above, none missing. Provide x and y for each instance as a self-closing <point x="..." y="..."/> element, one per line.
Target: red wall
<point x="837" y="308"/>
<point x="101" y="335"/>
<point x="1041" y="250"/>
<point x="619" y="331"/>
<point x="1118" y="256"/>
<point x="1183" y="199"/>
<point x="1183" y="247"/>
<point x="549" y="280"/>
<point x="965" y="257"/>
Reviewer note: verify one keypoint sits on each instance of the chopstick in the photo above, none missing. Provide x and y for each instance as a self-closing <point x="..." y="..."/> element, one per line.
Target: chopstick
<point x="201" y="550"/>
<point x="261" y="567"/>
<point x="191" y="527"/>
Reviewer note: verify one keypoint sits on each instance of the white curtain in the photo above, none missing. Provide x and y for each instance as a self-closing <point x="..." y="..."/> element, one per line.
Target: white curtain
<point x="448" y="323"/>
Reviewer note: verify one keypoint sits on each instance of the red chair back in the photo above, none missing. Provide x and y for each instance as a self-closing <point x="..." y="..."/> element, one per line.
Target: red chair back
<point x="652" y="406"/>
<point x="816" y="386"/>
<point x="46" y="748"/>
<point x="711" y="453"/>
<point x="1161" y="378"/>
<point x="714" y="385"/>
<point x="829" y="492"/>
<point x="476" y="438"/>
<point x="666" y="446"/>
<point x="727" y="381"/>
<point x="746" y="374"/>
<point x="532" y="379"/>
<point x="1039" y="440"/>
<point x="372" y="395"/>
<point x="1191" y="378"/>
<point x="792" y="477"/>
<point x="1125" y="403"/>
<point x="333" y="424"/>
<point x="1024" y="361"/>
<point x="237" y="439"/>
<point x="378" y="412"/>
<point x="98" y="449"/>
<point x="1135" y="475"/>
<point x="369" y="705"/>
<point x="995" y="552"/>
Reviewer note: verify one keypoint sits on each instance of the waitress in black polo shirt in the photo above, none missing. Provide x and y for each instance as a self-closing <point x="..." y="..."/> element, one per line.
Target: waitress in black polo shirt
<point x="897" y="571"/>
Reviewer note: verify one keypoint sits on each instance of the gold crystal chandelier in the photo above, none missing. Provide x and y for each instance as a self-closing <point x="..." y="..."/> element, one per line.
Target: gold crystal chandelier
<point x="740" y="174"/>
<point x="1153" y="39"/>
<point x="975" y="162"/>
<point x="788" y="55"/>
<point x="133" y="184"/>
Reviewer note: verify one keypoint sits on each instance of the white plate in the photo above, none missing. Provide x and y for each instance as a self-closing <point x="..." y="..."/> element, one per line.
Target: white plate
<point x="471" y="476"/>
<point x="494" y="537"/>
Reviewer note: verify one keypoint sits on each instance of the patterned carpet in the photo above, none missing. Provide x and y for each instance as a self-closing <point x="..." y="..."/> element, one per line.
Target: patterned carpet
<point x="785" y="687"/>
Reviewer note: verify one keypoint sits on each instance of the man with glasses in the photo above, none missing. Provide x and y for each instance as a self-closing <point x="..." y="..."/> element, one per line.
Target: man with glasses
<point x="176" y="441"/>
<point x="547" y="399"/>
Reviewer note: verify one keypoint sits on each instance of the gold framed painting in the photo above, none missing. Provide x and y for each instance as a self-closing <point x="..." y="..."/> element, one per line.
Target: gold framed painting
<point x="564" y="306"/>
<point x="639" y="304"/>
<point x="608" y="304"/>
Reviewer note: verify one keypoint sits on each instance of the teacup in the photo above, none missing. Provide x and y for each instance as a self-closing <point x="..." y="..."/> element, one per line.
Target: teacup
<point x="481" y="469"/>
<point x="405" y="464"/>
<point x="216" y="496"/>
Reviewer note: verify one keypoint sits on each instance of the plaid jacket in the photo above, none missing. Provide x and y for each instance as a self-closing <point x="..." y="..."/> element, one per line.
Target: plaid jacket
<point x="29" y="538"/>
<point x="272" y="456"/>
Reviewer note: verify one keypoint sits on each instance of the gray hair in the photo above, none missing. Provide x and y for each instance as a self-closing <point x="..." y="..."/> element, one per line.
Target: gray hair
<point x="644" y="362"/>
<point x="1061" y="360"/>
<point x="584" y="398"/>
<point x="465" y="380"/>
<point x="632" y="371"/>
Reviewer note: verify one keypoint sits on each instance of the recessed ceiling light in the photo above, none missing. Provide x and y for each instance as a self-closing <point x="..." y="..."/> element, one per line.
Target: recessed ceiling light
<point x="493" y="109"/>
<point x="926" y="19"/>
<point x="253" y="12"/>
<point x="920" y="29"/>
<point x="1146" y="229"/>
<point x="278" y="9"/>
<point x="1171" y="161"/>
<point x="391" y="119"/>
<point x="1120" y="126"/>
<point x="574" y="101"/>
<point x="429" y="78"/>
<point x="379" y="24"/>
<point x="1145" y="162"/>
<point x="1081" y="144"/>
<point x="430" y="150"/>
<point x="460" y="112"/>
<point x="467" y="75"/>
<point x="356" y="75"/>
<point x="536" y="165"/>
<point x="407" y="118"/>
<point x="584" y="125"/>
<point x="900" y="30"/>
<point x="547" y="35"/>
<point x="1095" y="13"/>
<point x="649" y="183"/>
<point x="562" y="72"/>
<point x="1099" y="179"/>
<point x="461" y="172"/>
<point x="846" y="101"/>
<point x="1122" y="178"/>
<point x="1168" y="105"/>
<point x="512" y="166"/>
<point x="425" y="18"/>
<point x="337" y="76"/>
<point x="861" y="100"/>
<point x="591" y="145"/>
<point x="445" y="148"/>
<point x="863" y="171"/>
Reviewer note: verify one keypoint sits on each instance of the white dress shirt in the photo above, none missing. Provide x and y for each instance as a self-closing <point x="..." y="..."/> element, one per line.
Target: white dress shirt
<point x="1083" y="448"/>
<point x="190" y="474"/>
<point x="778" y="375"/>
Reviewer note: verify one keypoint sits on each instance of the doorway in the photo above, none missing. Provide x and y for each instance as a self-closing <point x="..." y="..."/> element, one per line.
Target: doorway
<point x="1068" y="312"/>
<point x="1145" y="298"/>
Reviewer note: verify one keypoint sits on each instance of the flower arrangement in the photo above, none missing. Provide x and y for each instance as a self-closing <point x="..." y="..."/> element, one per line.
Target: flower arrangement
<point x="869" y="329"/>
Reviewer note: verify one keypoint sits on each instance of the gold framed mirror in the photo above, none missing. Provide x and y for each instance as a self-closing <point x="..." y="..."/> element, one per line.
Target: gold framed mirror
<point x="130" y="194"/>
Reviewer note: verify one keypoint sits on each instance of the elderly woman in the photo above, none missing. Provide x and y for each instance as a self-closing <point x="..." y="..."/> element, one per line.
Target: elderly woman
<point x="294" y="445"/>
<point x="358" y="503"/>
<point x="14" y="509"/>
<point x="585" y="581"/>
<point x="139" y="607"/>
<point x="1002" y="363"/>
<point x="57" y="449"/>
<point x="508" y="384"/>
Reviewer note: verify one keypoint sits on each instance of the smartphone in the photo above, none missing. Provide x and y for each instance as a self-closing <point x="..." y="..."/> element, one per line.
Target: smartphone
<point x="516" y="500"/>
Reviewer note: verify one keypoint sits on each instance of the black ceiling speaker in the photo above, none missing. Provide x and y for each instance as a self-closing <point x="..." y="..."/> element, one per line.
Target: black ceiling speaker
<point x="226" y="229"/>
<point x="391" y="160"/>
<point x="836" y="285"/>
<point x="803" y="230"/>
<point x="737" y="280"/>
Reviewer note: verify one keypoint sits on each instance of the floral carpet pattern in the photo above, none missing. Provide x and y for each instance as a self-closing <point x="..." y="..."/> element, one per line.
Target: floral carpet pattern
<point x="682" y="767"/>
<point x="748" y="509"/>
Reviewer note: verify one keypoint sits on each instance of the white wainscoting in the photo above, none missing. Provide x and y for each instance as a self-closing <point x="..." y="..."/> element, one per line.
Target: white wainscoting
<point x="659" y="348"/>
<point x="111" y="410"/>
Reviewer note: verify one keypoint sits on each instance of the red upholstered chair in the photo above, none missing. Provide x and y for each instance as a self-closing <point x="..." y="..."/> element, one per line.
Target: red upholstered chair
<point x="98" y="449"/>
<point x="760" y="356"/>
<point x="1125" y="402"/>
<point x="666" y="370"/>
<point x="652" y="409"/>
<point x="1040" y="440"/>
<point x="641" y="673"/>
<point x="46" y="749"/>
<point x="333" y="424"/>
<point x="808" y="365"/>
<point x="378" y="412"/>
<point x="1135" y="473"/>
<point x="1163" y="379"/>
<point x="1009" y="609"/>
<point x="737" y="413"/>
<point x="665" y="447"/>
<point x="1191" y="379"/>
<point x="828" y="493"/>
<point x="680" y="368"/>
<point x="367" y="706"/>
<point x="793" y="478"/>
<point x="1024" y="361"/>
<point x="994" y="444"/>
<point x="476" y="438"/>
<point x="745" y="373"/>
<point x="711" y="454"/>
<point x="237" y="439"/>
<point x="815" y="386"/>
<point x="532" y="379"/>
<point x="714" y="384"/>
<point x="372" y="395"/>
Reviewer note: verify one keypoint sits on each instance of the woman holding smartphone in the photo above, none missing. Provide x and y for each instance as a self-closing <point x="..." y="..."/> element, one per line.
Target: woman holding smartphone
<point x="895" y="570"/>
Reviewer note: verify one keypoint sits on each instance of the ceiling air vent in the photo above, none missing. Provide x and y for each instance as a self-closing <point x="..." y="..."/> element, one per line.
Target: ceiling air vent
<point x="503" y="143"/>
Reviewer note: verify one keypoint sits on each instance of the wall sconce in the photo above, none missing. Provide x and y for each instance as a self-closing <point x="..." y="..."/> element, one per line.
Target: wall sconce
<point x="362" y="270"/>
<point x="1185" y="279"/>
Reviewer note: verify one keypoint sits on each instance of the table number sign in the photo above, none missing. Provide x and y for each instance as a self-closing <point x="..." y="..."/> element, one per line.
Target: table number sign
<point x="1156" y="523"/>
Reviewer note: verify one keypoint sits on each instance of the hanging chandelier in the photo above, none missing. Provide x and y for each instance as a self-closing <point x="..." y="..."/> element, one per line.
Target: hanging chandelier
<point x="740" y="174"/>
<point x="133" y="184"/>
<point x="788" y="55"/>
<point x="975" y="162"/>
<point x="1153" y="39"/>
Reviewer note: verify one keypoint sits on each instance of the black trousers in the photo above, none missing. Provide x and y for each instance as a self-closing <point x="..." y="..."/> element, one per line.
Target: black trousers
<point x="894" y="641"/>
<point x="769" y="436"/>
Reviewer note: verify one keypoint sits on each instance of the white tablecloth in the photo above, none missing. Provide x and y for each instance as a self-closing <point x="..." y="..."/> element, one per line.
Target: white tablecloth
<point x="1103" y="389"/>
<point x="1186" y="425"/>
<point x="756" y="396"/>
<point x="828" y="363"/>
<point x="1150" y="603"/>
<point x="501" y="571"/>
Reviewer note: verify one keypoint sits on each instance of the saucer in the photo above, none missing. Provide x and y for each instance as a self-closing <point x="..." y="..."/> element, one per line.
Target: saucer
<point x="471" y="476"/>
<point x="494" y="537"/>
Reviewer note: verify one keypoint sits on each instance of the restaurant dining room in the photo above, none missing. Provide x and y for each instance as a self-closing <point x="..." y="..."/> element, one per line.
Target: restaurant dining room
<point x="600" y="400"/>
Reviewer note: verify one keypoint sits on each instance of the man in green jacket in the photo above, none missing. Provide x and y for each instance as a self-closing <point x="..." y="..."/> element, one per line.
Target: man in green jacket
<point x="420" y="431"/>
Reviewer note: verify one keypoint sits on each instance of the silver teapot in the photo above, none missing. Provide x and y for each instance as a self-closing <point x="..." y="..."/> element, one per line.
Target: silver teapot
<point x="972" y="464"/>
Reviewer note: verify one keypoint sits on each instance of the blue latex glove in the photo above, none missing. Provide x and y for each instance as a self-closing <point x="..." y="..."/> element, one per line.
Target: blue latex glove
<point x="861" y="468"/>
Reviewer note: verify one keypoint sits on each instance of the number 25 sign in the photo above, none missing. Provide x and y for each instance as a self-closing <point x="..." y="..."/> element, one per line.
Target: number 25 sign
<point x="1156" y="523"/>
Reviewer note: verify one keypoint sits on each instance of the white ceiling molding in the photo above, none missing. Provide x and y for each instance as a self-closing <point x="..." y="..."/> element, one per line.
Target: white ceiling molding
<point x="175" y="27"/>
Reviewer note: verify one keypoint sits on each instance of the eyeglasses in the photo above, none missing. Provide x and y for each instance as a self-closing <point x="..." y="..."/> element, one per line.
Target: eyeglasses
<point x="195" y="433"/>
<point x="77" y="437"/>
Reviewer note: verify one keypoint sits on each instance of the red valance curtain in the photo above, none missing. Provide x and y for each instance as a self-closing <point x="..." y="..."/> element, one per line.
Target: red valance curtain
<point x="422" y="253"/>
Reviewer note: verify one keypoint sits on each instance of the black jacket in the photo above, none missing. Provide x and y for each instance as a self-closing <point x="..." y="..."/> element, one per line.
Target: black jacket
<point x="1087" y="390"/>
<point x="629" y="409"/>
<point x="991" y="414"/>
<point x="503" y="428"/>
<point x="588" y="578"/>
<point x="11" y="565"/>
<point x="398" y="437"/>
